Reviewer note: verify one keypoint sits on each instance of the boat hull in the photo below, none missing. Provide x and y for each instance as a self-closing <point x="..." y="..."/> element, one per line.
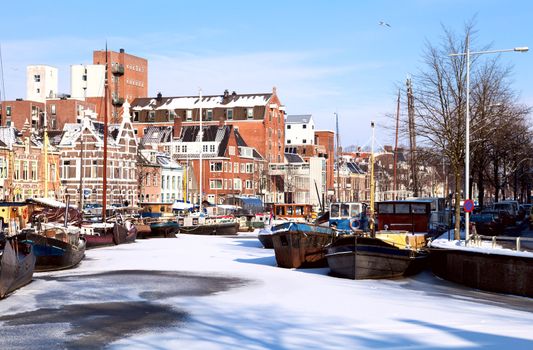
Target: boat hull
<point x="123" y="234"/>
<point x="371" y="258"/>
<point x="226" y="228"/>
<point x="167" y="229"/>
<point x="300" y="245"/>
<point x="16" y="266"/>
<point x="508" y="274"/>
<point x="53" y="254"/>
<point x="266" y="240"/>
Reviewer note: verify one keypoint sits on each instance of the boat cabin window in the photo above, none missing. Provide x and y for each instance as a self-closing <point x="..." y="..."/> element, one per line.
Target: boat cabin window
<point x="345" y="210"/>
<point x="334" y="210"/>
<point x="354" y="210"/>
<point x="289" y="210"/>
<point x="402" y="208"/>
<point x="299" y="210"/>
<point x="418" y="208"/>
<point x="280" y="211"/>
<point x="386" y="208"/>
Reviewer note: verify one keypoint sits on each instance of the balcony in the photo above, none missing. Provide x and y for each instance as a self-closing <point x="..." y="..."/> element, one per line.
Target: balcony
<point x="117" y="101"/>
<point x="117" y="69"/>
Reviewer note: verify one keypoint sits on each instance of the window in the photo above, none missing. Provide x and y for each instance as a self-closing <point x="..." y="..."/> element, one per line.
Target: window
<point x="188" y="114"/>
<point x="237" y="184"/>
<point x="211" y="148"/>
<point x="288" y="126"/>
<point x="38" y="90"/>
<point x="216" y="166"/>
<point x="183" y="148"/>
<point x="229" y="114"/>
<point x="25" y="170"/>
<point x="231" y="150"/>
<point x="243" y="168"/>
<point x="248" y="184"/>
<point x="37" y="78"/>
<point x="53" y="109"/>
<point x="84" y="77"/>
<point x="8" y="110"/>
<point x="34" y="173"/>
<point x="250" y="113"/>
<point x="94" y="169"/>
<point x="215" y="184"/>
<point x="204" y="148"/>
<point x="236" y="168"/>
<point x="16" y="174"/>
<point x="209" y="114"/>
<point x="151" y="116"/>
<point x="3" y="168"/>
<point x="304" y="126"/>
<point x="304" y="141"/>
<point x="249" y="168"/>
<point x="136" y="116"/>
<point x="289" y="141"/>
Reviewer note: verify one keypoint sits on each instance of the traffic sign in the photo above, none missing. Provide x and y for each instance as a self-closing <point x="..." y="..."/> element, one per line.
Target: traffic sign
<point x="468" y="205"/>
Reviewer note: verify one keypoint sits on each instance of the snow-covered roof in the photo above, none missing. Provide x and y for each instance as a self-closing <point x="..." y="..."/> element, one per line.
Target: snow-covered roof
<point x="208" y="102"/>
<point x="298" y="119"/>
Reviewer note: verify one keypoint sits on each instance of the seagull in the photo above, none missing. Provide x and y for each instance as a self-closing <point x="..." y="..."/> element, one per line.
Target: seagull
<point x="382" y="23"/>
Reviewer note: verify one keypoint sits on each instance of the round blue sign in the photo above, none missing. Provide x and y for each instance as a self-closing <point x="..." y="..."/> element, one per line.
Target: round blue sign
<point x="468" y="205"/>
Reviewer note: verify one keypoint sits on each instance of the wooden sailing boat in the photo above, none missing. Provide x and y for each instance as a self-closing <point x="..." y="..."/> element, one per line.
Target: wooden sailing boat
<point x="107" y="233"/>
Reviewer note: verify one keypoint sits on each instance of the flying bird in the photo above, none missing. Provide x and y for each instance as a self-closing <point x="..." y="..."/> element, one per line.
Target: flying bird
<point x="382" y="23"/>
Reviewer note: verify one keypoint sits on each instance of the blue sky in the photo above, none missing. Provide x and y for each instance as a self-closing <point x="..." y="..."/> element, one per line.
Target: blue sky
<point x="323" y="56"/>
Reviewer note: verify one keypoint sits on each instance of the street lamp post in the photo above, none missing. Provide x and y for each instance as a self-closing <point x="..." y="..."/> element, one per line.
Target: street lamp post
<point x="468" y="53"/>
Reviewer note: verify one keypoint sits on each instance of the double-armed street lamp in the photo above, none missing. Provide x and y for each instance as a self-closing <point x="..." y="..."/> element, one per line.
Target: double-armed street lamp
<point x="468" y="53"/>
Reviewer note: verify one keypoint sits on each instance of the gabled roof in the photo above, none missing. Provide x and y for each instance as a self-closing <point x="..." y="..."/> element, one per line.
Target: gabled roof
<point x="293" y="158"/>
<point x="210" y="101"/>
<point x="354" y="168"/>
<point x="211" y="133"/>
<point x="298" y="119"/>
<point x="157" y="134"/>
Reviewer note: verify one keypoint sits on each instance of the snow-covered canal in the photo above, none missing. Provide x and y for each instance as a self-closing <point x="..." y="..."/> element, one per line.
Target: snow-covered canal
<point x="202" y="292"/>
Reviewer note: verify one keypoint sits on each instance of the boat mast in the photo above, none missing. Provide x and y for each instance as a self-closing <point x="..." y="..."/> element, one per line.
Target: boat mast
<point x="45" y="150"/>
<point x="395" y="189"/>
<point x="104" y="176"/>
<point x="337" y="149"/>
<point x="81" y="169"/>
<point x="201" y="134"/>
<point x="372" y="184"/>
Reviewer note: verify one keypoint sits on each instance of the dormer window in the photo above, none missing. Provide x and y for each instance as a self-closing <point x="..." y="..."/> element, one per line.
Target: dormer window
<point x="229" y="114"/>
<point x="209" y="114"/>
<point x="188" y="114"/>
<point x="249" y="113"/>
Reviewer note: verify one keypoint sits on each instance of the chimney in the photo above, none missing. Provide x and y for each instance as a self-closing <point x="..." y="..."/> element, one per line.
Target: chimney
<point x="121" y="50"/>
<point x="177" y="126"/>
<point x="159" y="96"/>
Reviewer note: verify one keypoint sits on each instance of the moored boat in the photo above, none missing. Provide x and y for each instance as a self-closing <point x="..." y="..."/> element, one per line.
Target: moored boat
<point x="265" y="237"/>
<point x="17" y="263"/>
<point x="164" y="228"/>
<point x="301" y="244"/>
<point x="208" y="226"/>
<point x="55" y="248"/>
<point x="361" y="257"/>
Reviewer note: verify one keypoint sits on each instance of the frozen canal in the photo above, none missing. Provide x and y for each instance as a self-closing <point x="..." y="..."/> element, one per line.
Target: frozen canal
<point x="200" y="292"/>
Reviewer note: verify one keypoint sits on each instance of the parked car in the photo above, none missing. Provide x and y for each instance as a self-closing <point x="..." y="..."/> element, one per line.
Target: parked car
<point x="489" y="223"/>
<point x="508" y="206"/>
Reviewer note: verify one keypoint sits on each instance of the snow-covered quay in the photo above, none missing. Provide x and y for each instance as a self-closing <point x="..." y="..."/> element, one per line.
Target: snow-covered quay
<point x="205" y="292"/>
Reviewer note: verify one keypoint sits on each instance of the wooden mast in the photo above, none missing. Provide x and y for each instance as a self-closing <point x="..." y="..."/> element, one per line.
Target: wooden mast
<point x="395" y="188"/>
<point x="372" y="184"/>
<point x="104" y="177"/>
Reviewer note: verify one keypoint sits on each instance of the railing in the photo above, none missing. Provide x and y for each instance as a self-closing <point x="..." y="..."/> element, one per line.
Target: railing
<point x="519" y="244"/>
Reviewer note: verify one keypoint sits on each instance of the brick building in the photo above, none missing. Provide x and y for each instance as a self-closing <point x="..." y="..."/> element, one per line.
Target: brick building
<point x="326" y="139"/>
<point x="259" y="118"/>
<point x="127" y="77"/>
<point x="81" y="147"/>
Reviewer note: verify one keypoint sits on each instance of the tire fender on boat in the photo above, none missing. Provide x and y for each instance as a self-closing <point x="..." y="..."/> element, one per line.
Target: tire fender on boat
<point x="354" y="224"/>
